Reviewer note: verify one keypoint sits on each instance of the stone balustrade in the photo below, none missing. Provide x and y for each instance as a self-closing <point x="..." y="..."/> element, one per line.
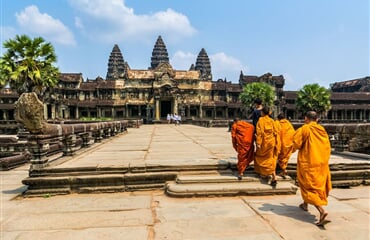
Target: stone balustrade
<point x="351" y="137"/>
<point x="66" y="139"/>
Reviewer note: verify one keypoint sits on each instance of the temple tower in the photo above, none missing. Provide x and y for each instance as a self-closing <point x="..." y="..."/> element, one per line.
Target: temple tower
<point x="116" y="64"/>
<point x="159" y="54"/>
<point x="203" y="65"/>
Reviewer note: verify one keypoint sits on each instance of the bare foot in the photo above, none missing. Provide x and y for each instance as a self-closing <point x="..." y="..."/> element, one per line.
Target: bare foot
<point x="322" y="219"/>
<point x="303" y="206"/>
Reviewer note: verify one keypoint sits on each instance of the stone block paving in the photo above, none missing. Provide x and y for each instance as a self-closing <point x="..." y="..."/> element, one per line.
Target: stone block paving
<point x="153" y="215"/>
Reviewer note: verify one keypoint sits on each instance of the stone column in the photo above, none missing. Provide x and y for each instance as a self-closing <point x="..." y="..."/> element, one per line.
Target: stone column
<point x="86" y="139"/>
<point x="126" y="110"/>
<point x="77" y="113"/>
<point x="45" y="111"/>
<point x="38" y="149"/>
<point x="157" y="108"/>
<point x="69" y="145"/>
<point x="53" y="115"/>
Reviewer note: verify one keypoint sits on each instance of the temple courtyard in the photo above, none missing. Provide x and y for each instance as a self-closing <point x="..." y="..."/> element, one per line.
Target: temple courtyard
<point x="153" y="214"/>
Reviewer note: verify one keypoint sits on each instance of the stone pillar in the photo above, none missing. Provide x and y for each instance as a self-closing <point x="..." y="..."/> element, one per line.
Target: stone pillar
<point x="86" y="139"/>
<point x="200" y="111"/>
<point x="77" y="113"/>
<point x="126" y="110"/>
<point x="38" y="149"/>
<point x="69" y="145"/>
<point x="53" y="115"/>
<point x="45" y="106"/>
<point x="157" y="117"/>
<point x="175" y="107"/>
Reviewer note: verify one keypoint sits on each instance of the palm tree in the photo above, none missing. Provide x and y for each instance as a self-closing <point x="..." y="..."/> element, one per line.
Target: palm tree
<point x="27" y="65"/>
<point x="313" y="97"/>
<point x="255" y="90"/>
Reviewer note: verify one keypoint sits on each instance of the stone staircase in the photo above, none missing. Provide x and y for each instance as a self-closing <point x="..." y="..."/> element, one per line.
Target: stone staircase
<point x="176" y="181"/>
<point x="217" y="179"/>
<point x="226" y="184"/>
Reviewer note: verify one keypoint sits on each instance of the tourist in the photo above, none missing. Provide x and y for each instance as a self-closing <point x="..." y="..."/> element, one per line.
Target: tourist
<point x="168" y="118"/>
<point x="286" y="133"/>
<point x="256" y="114"/>
<point x="267" y="146"/>
<point x="313" y="171"/>
<point x="176" y="119"/>
<point x="242" y="136"/>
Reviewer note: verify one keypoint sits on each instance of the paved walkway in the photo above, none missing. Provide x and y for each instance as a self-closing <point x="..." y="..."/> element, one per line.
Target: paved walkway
<point x="153" y="215"/>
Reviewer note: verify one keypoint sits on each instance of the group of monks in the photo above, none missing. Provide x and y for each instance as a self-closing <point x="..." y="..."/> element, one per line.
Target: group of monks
<point x="271" y="142"/>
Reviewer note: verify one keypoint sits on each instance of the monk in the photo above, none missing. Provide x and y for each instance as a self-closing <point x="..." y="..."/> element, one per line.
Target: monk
<point x="268" y="146"/>
<point x="242" y="136"/>
<point x="313" y="171"/>
<point x="286" y="133"/>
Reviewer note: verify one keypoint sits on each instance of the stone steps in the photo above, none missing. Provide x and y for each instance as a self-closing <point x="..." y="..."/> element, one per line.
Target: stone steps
<point x="227" y="185"/>
<point x="177" y="181"/>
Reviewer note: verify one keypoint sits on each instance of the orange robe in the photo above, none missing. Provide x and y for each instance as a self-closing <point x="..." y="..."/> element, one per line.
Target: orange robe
<point x="267" y="137"/>
<point x="286" y="132"/>
<point x="242" y="135"/>
<point x="313" y="171"/>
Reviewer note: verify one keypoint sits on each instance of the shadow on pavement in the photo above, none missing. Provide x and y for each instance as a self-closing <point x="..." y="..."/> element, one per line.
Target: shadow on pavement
<point x="289" y="211"/>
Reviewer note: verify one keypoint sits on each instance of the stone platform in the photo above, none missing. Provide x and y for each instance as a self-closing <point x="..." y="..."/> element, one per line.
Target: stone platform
<point x="184" y="161"/>
<point x="153" y="215"/>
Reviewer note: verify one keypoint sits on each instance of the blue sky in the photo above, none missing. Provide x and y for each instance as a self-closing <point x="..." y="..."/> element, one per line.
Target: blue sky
<point x="306" y="41"/>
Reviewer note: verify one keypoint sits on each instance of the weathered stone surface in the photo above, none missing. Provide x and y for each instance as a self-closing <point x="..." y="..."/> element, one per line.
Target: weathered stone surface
<point x="30" y="112"/>
<point x="228" y="189"/>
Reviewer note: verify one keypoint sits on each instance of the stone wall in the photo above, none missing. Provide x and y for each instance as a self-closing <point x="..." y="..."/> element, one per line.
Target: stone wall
<point x="352" y="137"/>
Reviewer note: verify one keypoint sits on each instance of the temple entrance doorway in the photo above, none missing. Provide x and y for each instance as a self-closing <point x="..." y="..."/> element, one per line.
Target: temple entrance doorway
<point x="166" y="108"/>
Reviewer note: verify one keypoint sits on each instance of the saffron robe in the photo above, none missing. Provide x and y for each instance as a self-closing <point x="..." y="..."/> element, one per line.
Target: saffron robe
<point x="242" y="135"/>
<point x="267" y="138"/>
<point x="313" y="171"/>
<point x="286" y="133"/>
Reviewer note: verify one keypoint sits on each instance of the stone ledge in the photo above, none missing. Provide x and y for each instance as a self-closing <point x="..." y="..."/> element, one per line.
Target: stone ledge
<point x="229" y="189"/>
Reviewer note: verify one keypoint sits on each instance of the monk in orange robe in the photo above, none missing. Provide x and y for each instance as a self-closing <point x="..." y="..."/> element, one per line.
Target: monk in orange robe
<point x="313" y="171"/>
<point x="242" y="136"/>
<point x="268" y="146"/>
<point x="286" y="133"/>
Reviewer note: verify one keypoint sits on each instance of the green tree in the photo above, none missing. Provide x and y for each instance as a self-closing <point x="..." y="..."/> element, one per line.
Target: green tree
<point x="313" y="97"/>
<point x="27" y="65"/>
<point x="255" y="90"/>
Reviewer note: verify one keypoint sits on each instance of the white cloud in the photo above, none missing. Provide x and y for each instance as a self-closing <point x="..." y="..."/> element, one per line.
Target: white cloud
<point x="33" y="21"/>
<point x="226" y="66"/>
<point x="291" y="84"/>
<point x="78" y="23"/>
<point x="183" y="60"/>
<point x="113" y="21"/>
<point x="222" y="65"/>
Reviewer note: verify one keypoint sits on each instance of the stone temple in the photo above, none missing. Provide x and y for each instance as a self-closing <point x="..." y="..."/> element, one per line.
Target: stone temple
<point x="150" y="94"/>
